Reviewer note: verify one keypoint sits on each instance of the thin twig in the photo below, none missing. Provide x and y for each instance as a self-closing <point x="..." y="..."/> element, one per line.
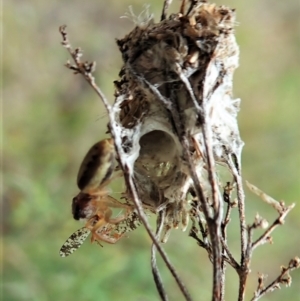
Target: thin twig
<point x="265" y="237"/>
<point x="203" y="228"/>
<point x="196" y="219"/>
<point x="213" y="223"/>
<point x="280" y="207"/>
<point x="259" y="222"/>
<point x="231" y="260"/>
<point x="245" y="259"/>
<point x="166" y="5"/>
<point x="156" y="275"/>
<point x="283" y="278"/>
<point x="86" y="69"/>
<point x="226" y="198"/>
<point x="164" y="256"/>
<point x="193" y="234"/>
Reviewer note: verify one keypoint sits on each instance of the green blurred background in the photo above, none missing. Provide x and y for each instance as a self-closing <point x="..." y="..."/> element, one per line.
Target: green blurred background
<point x="52" y="117"/>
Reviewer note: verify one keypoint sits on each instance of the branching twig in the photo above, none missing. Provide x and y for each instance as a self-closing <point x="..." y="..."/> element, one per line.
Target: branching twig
<point x="86" y="70"/>
<point x="214" y="224"/>
<point x="280" y="207"/>
<point x="230" y="259"/>
<point x="188" y="103"/>
<point x="164" y="256"/>
<point x="185" y="140"/>
<point x="283" y="278"/>
<point x="259" y="222"/>
<point x="202" y="244"/>
<point x="195" y="213"/>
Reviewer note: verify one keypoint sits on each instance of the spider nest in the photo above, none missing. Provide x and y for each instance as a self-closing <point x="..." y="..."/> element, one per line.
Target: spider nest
<point x="182" y="65"/>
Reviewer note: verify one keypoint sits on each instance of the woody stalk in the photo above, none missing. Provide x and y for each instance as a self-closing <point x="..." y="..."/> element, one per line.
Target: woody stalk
<point x="174" y="121"/>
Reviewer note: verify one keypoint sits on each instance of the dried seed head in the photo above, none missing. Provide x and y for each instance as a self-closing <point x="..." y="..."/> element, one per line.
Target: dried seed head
<point x="182" y="64"/>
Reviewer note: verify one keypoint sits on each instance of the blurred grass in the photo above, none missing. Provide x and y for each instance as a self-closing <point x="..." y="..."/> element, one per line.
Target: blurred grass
<point x="52" y="117"/>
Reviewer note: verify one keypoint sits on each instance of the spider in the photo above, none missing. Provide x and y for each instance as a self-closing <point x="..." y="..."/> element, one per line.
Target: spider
<point x="93" y="203"/>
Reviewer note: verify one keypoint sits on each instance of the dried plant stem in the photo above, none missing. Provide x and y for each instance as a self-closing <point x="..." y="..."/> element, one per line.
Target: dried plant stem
<point x="265" y="237"/>
<point x="197" y="216"/>
<point x="182" y="89"/>
<point x="245" y="259"/>
<point x="166" y="5"/>
<point x="225" y="222"/>
<point x="193" y="234"/>
<point x="214" y="223"/>
<point x="86" y="70"/>
<point x="155" y="271"/>
<point x="280" y="207"/>
<point x="282" y="210"/>
<point x="185" y="140"/>
<point x="164" y="256"/>
<point x="283" y="278"/>
<point x="229" y="258"/>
